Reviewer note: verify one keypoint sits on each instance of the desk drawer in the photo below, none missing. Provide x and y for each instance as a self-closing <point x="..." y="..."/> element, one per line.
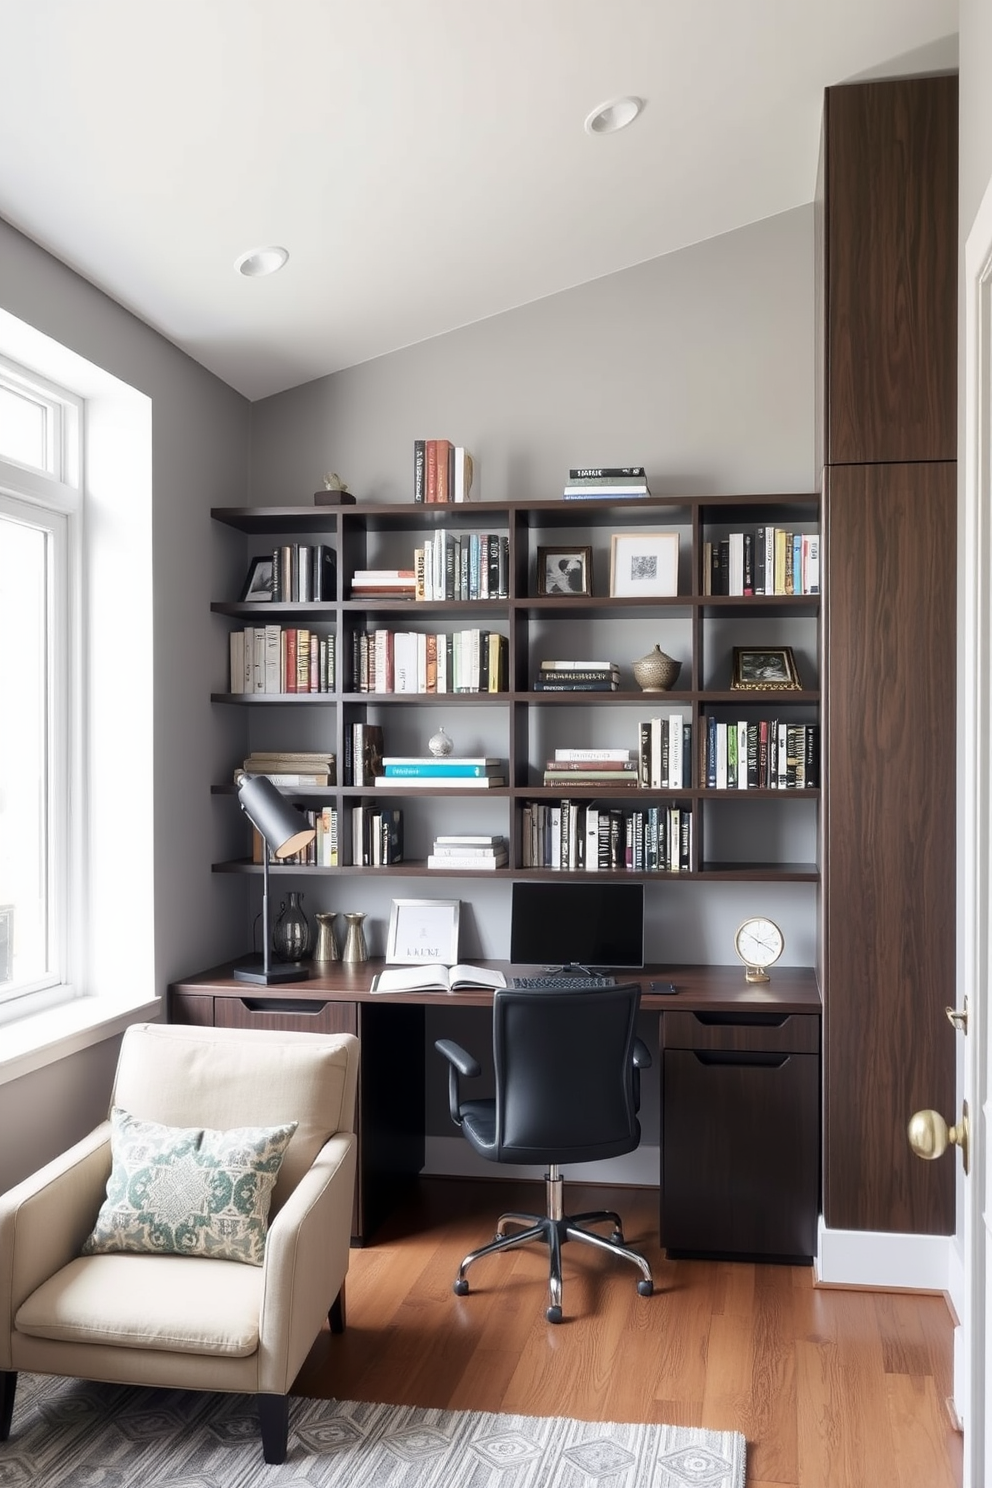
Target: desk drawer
<point x="285" y="1014"/>
<point x="766" y="1033"/>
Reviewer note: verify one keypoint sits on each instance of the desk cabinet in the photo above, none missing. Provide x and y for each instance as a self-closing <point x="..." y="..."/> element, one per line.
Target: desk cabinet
<point x="740" y="1159"/>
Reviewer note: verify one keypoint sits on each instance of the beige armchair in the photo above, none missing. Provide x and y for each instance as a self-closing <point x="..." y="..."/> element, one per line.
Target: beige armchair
<point x="182" y="1320"/>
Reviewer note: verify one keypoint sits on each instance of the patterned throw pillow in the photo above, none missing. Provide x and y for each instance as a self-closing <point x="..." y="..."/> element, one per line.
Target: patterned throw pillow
<point x="189" y="1191"/>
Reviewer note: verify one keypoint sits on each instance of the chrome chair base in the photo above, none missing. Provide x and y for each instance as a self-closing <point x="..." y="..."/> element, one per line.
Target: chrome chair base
<point x="555" y="1228"/>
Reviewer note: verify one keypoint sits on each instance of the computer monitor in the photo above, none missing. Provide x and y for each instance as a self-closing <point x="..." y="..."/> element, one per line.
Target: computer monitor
<point x="577" y="924"/>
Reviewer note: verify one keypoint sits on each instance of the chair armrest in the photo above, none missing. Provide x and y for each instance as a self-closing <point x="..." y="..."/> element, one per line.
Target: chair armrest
<point x="44" y="1221"/>
<point x="460" y="1062"/>
<point x="306" y="1260"/>
<point x="642" y="1055"/>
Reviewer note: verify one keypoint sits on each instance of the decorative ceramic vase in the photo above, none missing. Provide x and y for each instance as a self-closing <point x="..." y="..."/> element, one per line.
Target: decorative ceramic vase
<point x="439" y="744"/>
<point x="291" y="937"/>
<point x="355" y="948"/>
<point x="326" y="948"/>
<point x="656" y="672"/>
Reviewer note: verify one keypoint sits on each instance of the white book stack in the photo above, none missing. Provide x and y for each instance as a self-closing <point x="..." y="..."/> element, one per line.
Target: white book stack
<point x="468" y="852"/>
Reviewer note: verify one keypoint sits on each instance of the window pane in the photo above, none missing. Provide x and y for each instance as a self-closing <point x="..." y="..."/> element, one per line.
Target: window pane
<point x="25" y="955"/>
<point x="23" y="429"/>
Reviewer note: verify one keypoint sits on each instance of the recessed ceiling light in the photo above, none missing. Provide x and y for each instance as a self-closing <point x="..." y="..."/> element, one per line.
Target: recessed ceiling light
<point x="607" y="118"/>
<point x="260" y="261"/>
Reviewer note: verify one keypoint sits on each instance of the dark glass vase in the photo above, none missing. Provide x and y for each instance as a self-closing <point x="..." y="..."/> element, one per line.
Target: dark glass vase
<point x="291" y="936"/>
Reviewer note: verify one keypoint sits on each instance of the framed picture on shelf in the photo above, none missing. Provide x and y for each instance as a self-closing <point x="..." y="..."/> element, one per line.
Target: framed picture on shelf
<point x="765" y="669"/>
<point x="258" y="581"/>
<point x="423" y="930"/>
<point x="644" y="564"/>
<point x="564" y="571"/>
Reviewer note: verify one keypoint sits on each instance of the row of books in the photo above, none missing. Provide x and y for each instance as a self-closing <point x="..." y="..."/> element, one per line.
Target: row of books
<point x="289" y="769"/>
<point x="665" y="752"/>
<point x="276" y="658"/>
<point x="323" y="851"/>
<point x="461" y="772"/>
<point x="387" y="661"/>
<point x="592" y="482"/>
<point x="463" y="566"/>
<point x="767" y="755"/>
<point x="577" y="676"/>
<point x="442" y="471"/>
<point x="304" y="573"/>
<point x="464" y="851"/>
<point x="363" y="746"/>
<point x="575" y="835"/>
<point x="767" y="560"/>
<point x="376" y="836"/>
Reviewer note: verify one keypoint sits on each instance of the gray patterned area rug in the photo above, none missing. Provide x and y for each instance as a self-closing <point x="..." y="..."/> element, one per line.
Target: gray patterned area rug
<point x="75" y="1432"/>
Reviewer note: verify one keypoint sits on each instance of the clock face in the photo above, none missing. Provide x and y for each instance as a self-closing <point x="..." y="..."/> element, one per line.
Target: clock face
<point x="759" y="942"/>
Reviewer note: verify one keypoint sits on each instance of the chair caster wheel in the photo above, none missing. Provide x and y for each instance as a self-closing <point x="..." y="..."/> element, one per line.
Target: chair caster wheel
<point x="460" y="1287"/>
<point x="645" y="1288"/>
<point x="553" y="1314"/>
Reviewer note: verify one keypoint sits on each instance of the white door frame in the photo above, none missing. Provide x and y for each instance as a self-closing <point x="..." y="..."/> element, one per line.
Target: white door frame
<point x="972" y="1371"/>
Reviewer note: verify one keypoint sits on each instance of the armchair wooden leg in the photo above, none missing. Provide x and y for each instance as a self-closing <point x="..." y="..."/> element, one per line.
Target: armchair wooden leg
<point x="8" y="1385"/>
<point x="273" y="1417"/>
<point x="336" y="1316"/>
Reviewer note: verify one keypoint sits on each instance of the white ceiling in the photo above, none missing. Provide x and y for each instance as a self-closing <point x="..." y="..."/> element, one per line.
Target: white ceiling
<point x="423" y="161"/>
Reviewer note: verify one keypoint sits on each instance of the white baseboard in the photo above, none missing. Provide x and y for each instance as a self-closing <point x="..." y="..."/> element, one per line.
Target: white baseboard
<point x="884" y="1262"/>
<point x="453" y="1157"/>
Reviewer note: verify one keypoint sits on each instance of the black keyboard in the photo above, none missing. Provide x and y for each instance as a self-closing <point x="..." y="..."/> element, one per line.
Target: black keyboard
<point x="569" y="983"/>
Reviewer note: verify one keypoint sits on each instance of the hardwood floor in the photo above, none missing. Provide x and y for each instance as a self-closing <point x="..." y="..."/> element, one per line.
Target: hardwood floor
<point x="839" y="1388"/>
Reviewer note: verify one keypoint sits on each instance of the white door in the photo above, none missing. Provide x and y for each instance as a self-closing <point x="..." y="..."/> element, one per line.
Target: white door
<point x="973" y="1369"/>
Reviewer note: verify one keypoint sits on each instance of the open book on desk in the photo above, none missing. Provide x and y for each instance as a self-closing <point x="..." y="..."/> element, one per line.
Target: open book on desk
<point x="434" y="976"/>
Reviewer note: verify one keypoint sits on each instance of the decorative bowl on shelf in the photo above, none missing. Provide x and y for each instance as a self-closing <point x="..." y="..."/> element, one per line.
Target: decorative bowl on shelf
<point x="656" y="672"/>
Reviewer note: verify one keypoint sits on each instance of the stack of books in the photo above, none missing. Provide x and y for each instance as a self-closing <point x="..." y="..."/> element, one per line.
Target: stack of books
<point x="666" y="752"/>
<point x="453" y="854"/>
<point x="462" y="772"/>
<point x="383" y="583"/>
<point x="600" y="767"/>
<point x="304" y="573"/>
<point x="577" y="676"/>
<point x="593" y="482"/>
<point x="292" y="769"/>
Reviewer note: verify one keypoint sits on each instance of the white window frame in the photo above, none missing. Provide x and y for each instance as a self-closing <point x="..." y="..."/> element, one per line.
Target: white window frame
<point x="51" y="499"/>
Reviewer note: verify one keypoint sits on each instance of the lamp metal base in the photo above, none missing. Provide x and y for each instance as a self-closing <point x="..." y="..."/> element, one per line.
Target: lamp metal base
<point x="286" y="971"/>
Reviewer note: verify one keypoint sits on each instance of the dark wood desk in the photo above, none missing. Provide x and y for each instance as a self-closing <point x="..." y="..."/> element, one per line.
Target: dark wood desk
<point x="739" y="1081"/>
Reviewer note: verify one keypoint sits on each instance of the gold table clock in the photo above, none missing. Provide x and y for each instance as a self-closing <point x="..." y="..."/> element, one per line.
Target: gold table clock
<point x="759" y="943"/>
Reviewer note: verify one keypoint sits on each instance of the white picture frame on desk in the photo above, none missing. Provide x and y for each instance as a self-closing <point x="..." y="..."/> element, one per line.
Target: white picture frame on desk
<point x="423" y="930"/>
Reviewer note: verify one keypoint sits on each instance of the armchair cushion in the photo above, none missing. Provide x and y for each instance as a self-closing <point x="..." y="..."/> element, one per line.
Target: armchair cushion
<point x="189" y="1191"/>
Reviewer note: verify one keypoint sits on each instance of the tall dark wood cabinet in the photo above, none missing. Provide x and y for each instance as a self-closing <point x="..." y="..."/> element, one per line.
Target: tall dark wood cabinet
<point x="889" y="256"/>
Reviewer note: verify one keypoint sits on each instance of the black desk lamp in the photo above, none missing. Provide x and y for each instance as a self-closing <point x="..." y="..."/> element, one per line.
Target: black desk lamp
<point x="284" y="831"/>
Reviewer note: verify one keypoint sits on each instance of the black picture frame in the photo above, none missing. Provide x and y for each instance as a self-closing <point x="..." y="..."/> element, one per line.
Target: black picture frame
<point x="564" y="572"/>
<point x="258" y="581"/>
<point x="765" y="669"/>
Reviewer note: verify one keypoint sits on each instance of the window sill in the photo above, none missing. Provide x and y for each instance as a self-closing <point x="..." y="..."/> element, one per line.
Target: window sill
<point x="43" y="1038"/>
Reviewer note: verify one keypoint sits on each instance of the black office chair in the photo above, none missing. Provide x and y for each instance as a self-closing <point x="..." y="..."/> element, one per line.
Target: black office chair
<point x="567" y="1091"/>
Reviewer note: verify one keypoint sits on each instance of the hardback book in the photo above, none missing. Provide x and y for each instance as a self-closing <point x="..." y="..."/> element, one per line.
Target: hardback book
<point x="433" y="976"/>
<point x="600" y="473"/>
<point x="467" y="863"/>
<point x="434" y="769"/>
<point x="466" y="850"/>
<point x="580" y="666"/>
<point x="459" y="782"/>
<point x="594" y="754"/>
<point x="295" y="779"/>
<point x="590" y="762"/>
<point x="468" y="840"/>
<point x="463" y="472"/>
<point x="631" y="488"/>
<point x="576" y="684"/>
<point x="443" y="759"/>
<point x="419" y="471"/>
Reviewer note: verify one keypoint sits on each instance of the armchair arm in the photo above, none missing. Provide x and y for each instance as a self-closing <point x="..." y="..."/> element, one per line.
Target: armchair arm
<point x="306" y="1260"/>
<point x="459" y="1063"/>
<point x="44" y="1221"/>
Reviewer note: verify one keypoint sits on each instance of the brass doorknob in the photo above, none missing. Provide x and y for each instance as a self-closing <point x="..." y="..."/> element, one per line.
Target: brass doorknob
<point x="930" y="1136"/>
